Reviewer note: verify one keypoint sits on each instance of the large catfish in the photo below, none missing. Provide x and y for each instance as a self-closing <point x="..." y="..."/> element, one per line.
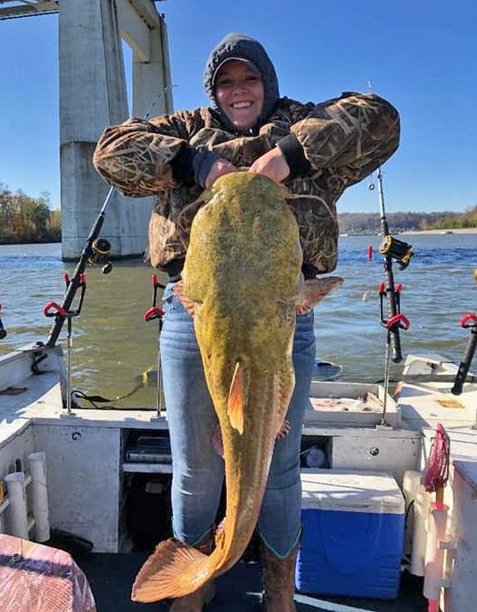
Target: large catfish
<point x="243" y="276"/>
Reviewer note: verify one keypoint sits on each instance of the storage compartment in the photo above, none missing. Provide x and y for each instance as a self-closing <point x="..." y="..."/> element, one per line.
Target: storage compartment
<point x="350" y="404"/>
<point x="150" y="447"/>
<point x="353" y="534"/>
<point x="315" y="452"/>
<point x="147" y="511"/>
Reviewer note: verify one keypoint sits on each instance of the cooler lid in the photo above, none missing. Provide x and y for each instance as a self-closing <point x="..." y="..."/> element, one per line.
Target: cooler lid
<point x="351" y="491"/>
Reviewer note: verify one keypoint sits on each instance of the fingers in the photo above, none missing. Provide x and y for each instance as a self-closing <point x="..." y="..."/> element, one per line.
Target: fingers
<point x="272" y="164"/>
<point x="284" y="430"/>
<point x="220" y="167"/>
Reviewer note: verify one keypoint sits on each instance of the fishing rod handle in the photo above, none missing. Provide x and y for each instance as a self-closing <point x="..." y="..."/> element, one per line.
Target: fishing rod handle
<point x="63" y="311"/>
<point x="467" y="321"/>
<point x="394" y="324"/>
<point x="3" y="331"/>
<point x="395" y="341"/>
<point x="395" y="320"/>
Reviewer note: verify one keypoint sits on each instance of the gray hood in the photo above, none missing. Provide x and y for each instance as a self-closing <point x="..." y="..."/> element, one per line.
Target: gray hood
<point x="237" y="45"/>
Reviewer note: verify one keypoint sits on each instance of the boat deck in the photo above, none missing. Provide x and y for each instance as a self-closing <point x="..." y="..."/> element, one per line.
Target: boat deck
<point x="350" y="434"/>
<point x="111" y="577"/>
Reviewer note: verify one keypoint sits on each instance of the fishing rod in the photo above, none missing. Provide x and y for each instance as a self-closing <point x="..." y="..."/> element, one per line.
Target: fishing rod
<point x="468" y="321"/>
<point x="3" y="331"/>
<point x="95" y="251"/>
<point x="391" y="248"/>
<point x="156" y="313"/>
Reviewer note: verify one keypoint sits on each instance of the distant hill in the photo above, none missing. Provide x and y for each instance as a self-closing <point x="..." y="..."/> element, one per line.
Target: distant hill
<point x="370" y="223"/>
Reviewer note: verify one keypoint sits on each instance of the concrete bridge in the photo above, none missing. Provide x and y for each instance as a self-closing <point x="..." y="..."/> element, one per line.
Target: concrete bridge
<point x="92" y="96"/>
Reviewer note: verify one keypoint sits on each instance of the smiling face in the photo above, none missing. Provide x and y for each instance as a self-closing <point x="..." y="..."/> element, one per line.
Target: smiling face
<point x="240" y="93"/>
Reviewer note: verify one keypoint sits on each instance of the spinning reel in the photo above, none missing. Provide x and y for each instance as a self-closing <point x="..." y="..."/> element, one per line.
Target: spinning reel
<point x="100" y="251"/>
<point x="397" y="249"/>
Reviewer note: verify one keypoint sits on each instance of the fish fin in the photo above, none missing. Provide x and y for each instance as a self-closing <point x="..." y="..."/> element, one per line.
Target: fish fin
<point x="237" y="398"/>
<point x="316" y="289"/>
<point x="188" y="304"/>
<point x="173" y="570"/>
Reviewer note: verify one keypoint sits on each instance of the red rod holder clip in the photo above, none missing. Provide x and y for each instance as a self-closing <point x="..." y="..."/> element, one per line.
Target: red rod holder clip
<point x="398" y="320"/>
<point x="469" y="320"/>
<point x="52" y="309"/>
<point x="153" y="313"/>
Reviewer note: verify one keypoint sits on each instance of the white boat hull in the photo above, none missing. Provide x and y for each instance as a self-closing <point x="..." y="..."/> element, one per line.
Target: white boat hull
<point x="88" y="470"/>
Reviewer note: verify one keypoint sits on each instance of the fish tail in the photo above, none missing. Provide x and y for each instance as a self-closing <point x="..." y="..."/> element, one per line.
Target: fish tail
<point x="173" y="570"/>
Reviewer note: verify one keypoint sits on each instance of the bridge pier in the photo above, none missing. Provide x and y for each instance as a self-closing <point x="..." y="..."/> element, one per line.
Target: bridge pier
<point x="92" y="96"/>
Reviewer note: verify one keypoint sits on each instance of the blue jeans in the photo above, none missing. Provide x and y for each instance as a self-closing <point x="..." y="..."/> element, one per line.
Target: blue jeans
<point x="198" y="471"/>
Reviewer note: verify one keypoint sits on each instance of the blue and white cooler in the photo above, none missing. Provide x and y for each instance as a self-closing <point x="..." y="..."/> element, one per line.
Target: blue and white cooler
<point x="353" y="534"/>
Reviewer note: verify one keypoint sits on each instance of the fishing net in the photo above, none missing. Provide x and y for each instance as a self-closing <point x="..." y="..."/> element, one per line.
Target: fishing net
<point x="437" y="469"/>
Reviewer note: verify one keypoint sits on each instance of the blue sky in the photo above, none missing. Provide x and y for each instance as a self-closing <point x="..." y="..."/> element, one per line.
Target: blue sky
<point x="421" y="55"/>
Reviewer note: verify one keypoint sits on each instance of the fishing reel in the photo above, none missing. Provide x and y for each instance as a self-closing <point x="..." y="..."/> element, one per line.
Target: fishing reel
<point x="397" y="249"/>
<point x="100" y="251"/>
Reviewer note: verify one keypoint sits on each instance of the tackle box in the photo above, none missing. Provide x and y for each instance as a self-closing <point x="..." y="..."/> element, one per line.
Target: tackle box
<point x="353" y="534"/>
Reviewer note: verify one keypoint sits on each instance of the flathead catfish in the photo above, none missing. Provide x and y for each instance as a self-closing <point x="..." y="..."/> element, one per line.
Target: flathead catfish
<point x="242" y="275"/>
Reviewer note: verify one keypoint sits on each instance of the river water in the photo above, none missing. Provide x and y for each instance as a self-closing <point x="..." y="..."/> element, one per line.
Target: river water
<point x="113" y="346"/>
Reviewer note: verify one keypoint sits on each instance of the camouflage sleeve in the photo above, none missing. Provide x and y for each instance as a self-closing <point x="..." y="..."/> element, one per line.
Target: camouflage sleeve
<point x="350" y="136"/>
<point x="135" y="156"/>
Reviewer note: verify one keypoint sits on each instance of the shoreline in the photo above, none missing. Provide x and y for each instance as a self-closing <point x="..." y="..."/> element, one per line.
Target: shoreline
<point x="436" y="232"/>
<point x="466" y="230"/>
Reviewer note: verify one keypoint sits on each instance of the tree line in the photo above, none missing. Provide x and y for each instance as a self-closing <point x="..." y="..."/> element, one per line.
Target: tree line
<point x="370" y="223"/>
<point x="25" y="219"/>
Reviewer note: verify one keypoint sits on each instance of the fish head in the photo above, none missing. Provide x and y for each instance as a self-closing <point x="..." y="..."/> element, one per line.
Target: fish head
<point x="243" y="273"/>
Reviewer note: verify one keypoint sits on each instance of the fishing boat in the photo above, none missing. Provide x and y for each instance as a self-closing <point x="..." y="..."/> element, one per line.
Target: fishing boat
<point x="97" y="481"/>
<point x="389" y="478"/>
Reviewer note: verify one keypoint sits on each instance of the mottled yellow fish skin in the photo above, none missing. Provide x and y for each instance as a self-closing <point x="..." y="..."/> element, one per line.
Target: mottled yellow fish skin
<point x="243" y="274"/>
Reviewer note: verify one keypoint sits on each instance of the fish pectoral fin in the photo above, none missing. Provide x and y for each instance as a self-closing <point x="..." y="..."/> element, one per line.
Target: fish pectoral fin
<point x="316" y="289"/>
<point x="184" y="299"/>
<point x="173" y="570"/>
<point x="237" y="398"/>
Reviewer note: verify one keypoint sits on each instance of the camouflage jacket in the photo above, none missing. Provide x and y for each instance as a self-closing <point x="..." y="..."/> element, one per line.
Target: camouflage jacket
<point x="344" y="139"/>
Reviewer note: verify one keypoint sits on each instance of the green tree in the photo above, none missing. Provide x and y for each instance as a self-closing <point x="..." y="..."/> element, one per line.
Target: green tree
<point x="27" y="219"/>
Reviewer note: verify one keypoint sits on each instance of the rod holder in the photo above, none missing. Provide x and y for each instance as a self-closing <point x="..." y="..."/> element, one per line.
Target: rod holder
<point x="39" y="485"/>
<point x="18" y="504"/>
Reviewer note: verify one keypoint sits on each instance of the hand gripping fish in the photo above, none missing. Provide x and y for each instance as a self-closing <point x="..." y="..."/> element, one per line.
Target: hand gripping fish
<point x="242" y="275"/>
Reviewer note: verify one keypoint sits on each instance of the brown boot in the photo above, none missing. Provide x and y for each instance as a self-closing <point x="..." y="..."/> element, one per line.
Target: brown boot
<point x="196" y="601"/>
<point x="278" y="580"/>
